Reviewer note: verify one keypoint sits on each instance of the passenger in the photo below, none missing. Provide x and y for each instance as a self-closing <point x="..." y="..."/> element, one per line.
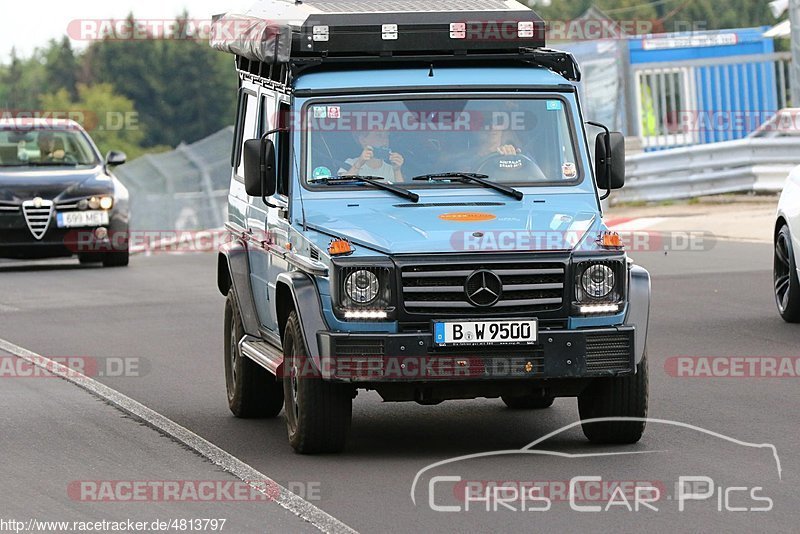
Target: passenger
<point x="376" y="158"/>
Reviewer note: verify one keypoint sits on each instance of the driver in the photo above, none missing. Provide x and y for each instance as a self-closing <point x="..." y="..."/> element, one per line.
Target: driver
<point x="376" y="158"/>
<point x="50" y="148"/>
<point x="494" y="141"/>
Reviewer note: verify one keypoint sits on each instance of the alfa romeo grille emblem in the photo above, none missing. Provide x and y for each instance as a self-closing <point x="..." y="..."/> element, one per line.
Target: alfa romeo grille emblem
<point x="37" y="202"/>
<point x="483" y="288"/>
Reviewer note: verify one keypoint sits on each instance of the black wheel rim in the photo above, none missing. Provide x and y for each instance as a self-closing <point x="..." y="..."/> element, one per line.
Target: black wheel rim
<point x="234" y="353"/>
<point x="783" y="271"/>
<point x="294" y="386"/>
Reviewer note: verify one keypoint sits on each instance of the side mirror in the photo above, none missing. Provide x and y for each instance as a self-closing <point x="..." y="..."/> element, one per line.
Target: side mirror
<point x="260" y="174"/>
<point x="609" y="160"/>
<point x="115" y="158"/>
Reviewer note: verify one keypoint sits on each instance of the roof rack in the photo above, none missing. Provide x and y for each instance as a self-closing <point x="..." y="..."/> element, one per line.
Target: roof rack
<point x="315" y="33"/>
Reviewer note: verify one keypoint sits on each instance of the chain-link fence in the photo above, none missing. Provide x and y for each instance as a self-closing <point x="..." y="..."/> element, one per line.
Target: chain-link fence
<point x="185" y="189"/>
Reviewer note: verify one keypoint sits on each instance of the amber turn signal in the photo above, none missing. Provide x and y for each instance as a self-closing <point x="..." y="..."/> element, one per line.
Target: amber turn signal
<point x="610" y="240"/>
<point x="339" y="247"/>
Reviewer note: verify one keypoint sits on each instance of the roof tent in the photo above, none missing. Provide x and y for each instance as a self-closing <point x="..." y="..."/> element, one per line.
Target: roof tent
<point x="315" y="32"/>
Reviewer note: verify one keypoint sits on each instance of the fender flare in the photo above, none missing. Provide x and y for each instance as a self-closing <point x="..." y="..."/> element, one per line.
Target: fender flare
<point x="638" y="314"/>
<point x="233" y="271"/>
<point x="305" y="301"/>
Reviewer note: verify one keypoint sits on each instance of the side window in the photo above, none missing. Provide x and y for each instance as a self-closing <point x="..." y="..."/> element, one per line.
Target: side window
<point x="284" y="139"/>
<point x="247" y="127"/>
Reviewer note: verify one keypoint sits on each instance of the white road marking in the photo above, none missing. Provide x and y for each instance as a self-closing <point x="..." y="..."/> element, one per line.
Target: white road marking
<point x="287" y="500"/>
<point x="636" y="225"/>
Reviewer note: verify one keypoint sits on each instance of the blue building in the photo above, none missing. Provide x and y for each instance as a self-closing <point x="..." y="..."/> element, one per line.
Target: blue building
<point x="684" y="89"/>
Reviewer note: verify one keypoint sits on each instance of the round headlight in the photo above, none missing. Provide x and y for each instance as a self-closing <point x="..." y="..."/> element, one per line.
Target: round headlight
<point x="362" y="286"/>
<point x="94" y="203"/>
<point x="106" y="203"/>
<point x="598" y="281"/>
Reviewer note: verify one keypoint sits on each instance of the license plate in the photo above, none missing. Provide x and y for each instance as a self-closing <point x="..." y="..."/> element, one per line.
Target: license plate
<point x="497" y="332"/>
<point x="72" y="219"/>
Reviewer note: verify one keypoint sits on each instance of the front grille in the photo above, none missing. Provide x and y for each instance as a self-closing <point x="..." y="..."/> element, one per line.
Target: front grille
<point x="38" y="216"/>
<point x="527" y="287"/>
<point x="609" y="352"/>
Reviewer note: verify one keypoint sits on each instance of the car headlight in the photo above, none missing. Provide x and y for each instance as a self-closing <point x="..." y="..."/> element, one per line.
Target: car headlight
<point x="600" y="286"/>
<point x="362" y="286"/>
<point x="104" y="202"/>
<point x="363" y="291"/>
<point x="598" y="281"/>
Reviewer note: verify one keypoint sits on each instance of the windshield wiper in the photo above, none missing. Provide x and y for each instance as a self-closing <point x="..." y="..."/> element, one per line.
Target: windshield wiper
<point x="372" y="180"/>
<point x="472" y="177"/>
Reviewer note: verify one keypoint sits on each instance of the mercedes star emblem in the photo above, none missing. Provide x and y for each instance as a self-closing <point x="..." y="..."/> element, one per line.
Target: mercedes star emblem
<point x="483" y="288"/>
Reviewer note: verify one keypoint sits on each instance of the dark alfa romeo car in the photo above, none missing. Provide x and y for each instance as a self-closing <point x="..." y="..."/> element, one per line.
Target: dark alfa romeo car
<point x="58" y="196"/>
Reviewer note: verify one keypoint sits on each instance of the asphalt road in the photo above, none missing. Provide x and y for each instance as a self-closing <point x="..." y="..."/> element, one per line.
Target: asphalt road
<point x="164" y="313"/>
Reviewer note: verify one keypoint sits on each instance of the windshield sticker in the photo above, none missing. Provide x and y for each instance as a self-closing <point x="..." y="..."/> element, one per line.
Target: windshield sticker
<point x="569" y="170"/>
<point x="467" y="216"/>
<point x="334" y="112"/>
<point x="554" y="105"/>
<point x="322" y="172"/>
<point x="320" y="112"/>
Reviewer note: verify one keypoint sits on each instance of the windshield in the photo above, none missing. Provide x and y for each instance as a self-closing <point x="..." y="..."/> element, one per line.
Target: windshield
<point x="514" y="141"/>
<point x="47" y="147"/>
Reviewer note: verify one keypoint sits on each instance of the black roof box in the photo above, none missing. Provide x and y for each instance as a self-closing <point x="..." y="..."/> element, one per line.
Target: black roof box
<point x="288" y="31"/>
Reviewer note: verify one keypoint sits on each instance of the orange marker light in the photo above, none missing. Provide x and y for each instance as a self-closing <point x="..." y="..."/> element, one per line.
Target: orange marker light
<point x="610" y="240"/>
<point x="339" y="247"/>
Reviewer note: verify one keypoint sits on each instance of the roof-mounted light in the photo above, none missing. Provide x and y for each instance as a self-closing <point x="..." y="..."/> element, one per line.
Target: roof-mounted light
<point x="525" y="29"/>
<point x="389" y="32"/>
<point x="321" y="33"/>
<point x="458" y="30"/>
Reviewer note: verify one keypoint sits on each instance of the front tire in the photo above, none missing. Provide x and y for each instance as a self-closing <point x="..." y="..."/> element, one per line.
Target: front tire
<point x="88" y="258"/>
<point x="253" y="392"/>
<point x="318" y="413"/>
<point x="624" y="396"/>
<point x="786" y="285"/>
<point x="118" y="258"/>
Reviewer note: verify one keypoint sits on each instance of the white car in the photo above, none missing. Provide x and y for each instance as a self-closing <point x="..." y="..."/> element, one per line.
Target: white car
<point x="787" y="250"/>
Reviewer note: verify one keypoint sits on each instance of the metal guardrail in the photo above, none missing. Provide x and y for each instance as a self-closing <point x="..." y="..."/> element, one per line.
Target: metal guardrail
<point x="185" y="189"/>
<point x="745" y="165"/>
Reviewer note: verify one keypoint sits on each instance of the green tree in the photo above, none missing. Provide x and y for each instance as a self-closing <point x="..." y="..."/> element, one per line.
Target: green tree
<point x="183" y="89"/>
<point x="110" y="118"/>
<point x="21" y="83"/>
<point x="61" y="68"/>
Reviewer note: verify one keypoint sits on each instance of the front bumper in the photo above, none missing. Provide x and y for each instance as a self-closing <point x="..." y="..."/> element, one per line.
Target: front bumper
<point x="18" y="242"/>
<point x="413" y="357"/>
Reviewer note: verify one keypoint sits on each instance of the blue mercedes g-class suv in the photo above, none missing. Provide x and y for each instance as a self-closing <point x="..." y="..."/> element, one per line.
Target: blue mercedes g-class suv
<point x="414" y="210"/>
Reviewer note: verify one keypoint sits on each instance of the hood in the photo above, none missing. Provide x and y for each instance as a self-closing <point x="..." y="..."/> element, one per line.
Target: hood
<point x="54" y="183"/>
<point x="554" y="222"/>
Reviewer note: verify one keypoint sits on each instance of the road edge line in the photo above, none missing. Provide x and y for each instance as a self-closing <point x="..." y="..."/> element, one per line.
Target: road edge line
<point x="229" y="463"/>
